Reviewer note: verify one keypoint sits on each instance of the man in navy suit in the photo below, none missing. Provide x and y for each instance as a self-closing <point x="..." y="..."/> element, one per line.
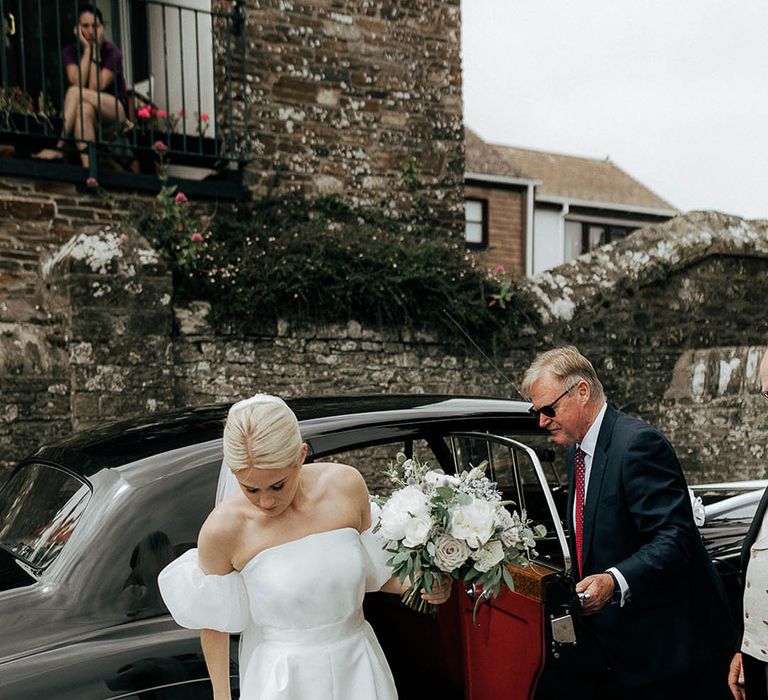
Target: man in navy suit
<point x="748" y="677"/>
<point x="653" y="603"/>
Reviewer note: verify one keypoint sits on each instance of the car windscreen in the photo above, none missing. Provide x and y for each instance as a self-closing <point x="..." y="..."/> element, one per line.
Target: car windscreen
<point x="40" y="506"/>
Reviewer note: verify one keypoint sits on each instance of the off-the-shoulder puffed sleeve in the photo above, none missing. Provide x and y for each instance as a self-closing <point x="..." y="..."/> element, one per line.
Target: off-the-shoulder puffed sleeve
<point x="204" y="601"/>
<point x="377" y="573"/>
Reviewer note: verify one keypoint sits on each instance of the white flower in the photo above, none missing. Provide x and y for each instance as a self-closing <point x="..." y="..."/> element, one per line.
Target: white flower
<point x="436" y="479"/>
<point x="403" y="505"/>
<point x="699" y="514"/>
<point x="473" y="523"/>
<point x="450" y="553"/>
<point x="490" y="555"/>
<point x="417" y="530"/>
<point x="503" y="518"/>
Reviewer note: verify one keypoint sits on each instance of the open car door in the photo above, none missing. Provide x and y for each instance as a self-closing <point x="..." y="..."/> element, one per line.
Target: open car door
<point x="509" y="640"/>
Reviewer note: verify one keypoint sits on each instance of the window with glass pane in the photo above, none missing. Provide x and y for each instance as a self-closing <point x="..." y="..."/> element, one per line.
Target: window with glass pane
<point x="573" y="240"/>
<point x="596" y="237"/>
<point x="474" y="231"/>
<point x="40" y="507"/>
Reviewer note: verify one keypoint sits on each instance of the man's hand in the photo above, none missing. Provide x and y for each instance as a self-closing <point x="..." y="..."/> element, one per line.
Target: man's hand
<point x="598" y="590"/>
<point x="736" y="677"/>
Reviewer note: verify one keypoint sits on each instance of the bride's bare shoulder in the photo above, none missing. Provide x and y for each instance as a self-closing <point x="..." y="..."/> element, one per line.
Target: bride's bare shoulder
<point x="339" y="476"/>
<point x="219" y="537"/>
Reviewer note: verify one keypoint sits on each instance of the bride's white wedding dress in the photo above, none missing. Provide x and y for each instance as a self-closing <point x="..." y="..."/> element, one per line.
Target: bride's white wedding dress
<point x="299" y="608"/>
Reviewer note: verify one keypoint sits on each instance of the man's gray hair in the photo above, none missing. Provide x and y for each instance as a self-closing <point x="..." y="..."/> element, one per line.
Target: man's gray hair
<point x="566" y="364"/>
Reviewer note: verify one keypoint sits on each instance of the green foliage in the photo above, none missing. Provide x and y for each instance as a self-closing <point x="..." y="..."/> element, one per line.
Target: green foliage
<point x="322" y="261"/>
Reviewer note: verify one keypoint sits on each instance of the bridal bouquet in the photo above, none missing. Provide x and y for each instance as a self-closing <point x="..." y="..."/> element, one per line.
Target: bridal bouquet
<point x="435" y="524"/>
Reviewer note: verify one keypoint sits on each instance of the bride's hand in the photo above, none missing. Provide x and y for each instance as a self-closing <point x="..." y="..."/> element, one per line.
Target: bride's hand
<point x="441" y="591"/>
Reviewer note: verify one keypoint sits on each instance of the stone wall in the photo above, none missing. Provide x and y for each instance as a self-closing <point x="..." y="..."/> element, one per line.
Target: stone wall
<point x="346" y="96"/>
<point x="673" y="318"/>
<point x="36" y="219"/>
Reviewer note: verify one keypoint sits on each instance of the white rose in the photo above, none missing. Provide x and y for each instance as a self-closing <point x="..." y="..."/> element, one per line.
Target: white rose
<point x="473" y="523"/>
<point x="511" y="536"/>
<point x="487" y="557"/>
<point x="417" y="530"/>
<point x="402" y="505"/>
<point x="450" y="553"/>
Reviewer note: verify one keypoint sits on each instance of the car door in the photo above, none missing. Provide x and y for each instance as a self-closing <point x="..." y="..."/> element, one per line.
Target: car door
<point x="508" y="640"/>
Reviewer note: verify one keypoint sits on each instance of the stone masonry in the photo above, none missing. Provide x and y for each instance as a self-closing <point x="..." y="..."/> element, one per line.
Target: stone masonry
<point x="673" y="318"/>
<point x="346" y="96"/>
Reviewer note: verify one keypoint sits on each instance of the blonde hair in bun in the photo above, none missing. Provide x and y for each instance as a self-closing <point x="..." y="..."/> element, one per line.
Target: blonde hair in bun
<point x="263" y="433"/>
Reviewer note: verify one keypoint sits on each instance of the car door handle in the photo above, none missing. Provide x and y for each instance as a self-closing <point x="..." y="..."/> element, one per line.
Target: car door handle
<point x="471" y="591"/>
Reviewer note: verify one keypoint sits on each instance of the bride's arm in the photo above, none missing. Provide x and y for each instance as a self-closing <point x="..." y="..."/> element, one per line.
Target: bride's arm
<point x="216" y="652"/>
<point x="214" y="555"/>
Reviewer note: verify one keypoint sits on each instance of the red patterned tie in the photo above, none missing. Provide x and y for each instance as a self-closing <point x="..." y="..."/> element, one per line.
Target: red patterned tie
<point x="578" y="519"/>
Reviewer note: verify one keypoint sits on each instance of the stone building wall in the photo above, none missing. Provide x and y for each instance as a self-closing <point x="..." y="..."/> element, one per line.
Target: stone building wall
<point x="347" y="96"/>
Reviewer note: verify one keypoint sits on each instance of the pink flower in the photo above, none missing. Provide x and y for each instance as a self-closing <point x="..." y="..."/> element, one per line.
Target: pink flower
<point x="499" y="270"/>
<point x="196" y="237"/>
<point x="181" y="198"/>
<point x="145" y="112"/>
<point x="204" y="117"/>
<point x="161" y="114"/>
<point x="182" y="113"/>
<point x="92" y="182"/>
<point x="159" y="147"/>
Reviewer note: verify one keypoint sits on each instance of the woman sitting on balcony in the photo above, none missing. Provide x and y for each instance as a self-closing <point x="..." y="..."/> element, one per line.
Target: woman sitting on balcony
<point x="94" y="69"/>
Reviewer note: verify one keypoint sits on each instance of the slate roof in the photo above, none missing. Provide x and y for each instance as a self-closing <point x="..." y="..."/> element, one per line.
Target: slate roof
<point x="571" y="177"/>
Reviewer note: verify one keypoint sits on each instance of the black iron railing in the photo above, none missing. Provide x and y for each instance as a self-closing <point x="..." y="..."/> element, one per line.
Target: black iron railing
<point x="178" y="87"/>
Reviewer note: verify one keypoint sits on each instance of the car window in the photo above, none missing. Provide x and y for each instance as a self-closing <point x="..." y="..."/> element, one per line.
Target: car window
<point x="40" y="507"/>
<point x="373" y="461"/>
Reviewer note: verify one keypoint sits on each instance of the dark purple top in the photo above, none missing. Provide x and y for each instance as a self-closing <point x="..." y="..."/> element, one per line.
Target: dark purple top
<point x="111" y="58"/>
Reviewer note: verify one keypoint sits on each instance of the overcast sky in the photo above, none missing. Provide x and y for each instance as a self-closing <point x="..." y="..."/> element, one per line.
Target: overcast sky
<point x="675" y="92"/>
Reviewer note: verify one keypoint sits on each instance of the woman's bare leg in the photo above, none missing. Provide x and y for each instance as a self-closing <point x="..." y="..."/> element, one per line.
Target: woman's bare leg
<point x="85" y="120"/>
<point x="71" y="113"/>
<point x="105" y="103"/>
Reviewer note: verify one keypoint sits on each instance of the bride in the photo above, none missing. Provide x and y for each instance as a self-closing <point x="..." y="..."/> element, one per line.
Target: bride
<point x="285" y="559"/>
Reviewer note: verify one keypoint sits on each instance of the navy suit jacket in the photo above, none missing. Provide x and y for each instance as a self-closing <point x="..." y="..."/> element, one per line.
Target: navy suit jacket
<point x="638" y="518"/>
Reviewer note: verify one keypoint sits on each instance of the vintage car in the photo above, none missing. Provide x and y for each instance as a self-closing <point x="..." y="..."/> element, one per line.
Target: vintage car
<point x="87" y="523"/>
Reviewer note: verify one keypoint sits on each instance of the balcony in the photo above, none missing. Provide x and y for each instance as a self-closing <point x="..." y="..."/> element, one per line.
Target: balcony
<point x="184" y="85"/>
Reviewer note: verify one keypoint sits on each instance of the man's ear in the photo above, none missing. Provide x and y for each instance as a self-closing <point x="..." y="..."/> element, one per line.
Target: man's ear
<point x="583" y="390"/>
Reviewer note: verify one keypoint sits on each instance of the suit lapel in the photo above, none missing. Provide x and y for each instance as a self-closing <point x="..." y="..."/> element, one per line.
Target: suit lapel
<point x="596" y="475"/>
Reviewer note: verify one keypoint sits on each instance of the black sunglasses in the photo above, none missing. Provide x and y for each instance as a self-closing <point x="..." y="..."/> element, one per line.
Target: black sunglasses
<point x="549" y="409"/>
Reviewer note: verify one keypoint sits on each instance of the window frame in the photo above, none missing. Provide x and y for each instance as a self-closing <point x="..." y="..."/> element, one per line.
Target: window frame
<point x="483" y="223"/>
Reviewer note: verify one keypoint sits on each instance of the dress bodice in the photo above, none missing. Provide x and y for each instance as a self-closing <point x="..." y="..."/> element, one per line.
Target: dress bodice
<point x="309" y="582"/>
